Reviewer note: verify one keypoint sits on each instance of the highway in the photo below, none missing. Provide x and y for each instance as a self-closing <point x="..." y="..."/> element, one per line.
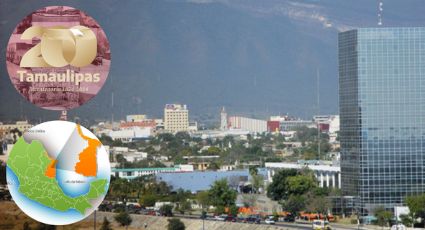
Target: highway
<point x="286" y="225"/>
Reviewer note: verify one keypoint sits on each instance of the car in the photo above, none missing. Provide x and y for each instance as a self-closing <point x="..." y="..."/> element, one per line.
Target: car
<point x="241" y="219"/>
<point x="270" y="220"/>
<point x="289" y="218"/>
<point x="220" y="218"/>
<point x="320" y="225"/>
<point x="230" y="219"/>
<point x="143" y="212"/>
<point x="398" y="227"/>
<point x="253" y="220"/>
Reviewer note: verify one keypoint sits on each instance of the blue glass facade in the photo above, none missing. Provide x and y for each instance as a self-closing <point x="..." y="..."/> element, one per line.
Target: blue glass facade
<point x="382" y="112"/>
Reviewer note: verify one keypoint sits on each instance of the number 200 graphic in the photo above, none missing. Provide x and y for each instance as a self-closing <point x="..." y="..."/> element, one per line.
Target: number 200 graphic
<point x="60" y="46"/>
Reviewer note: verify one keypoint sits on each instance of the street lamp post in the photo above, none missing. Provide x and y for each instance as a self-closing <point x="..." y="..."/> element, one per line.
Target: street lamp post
<point x="94" y="220"/>
<point x="204" y="214"/>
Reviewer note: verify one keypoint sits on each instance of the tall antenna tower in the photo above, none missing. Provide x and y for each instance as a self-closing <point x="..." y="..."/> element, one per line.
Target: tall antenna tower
<point x="318" y="112"/>
<point x="112" y="101"/>
<point x="380" y="11"/>
<point x="112" y="107"/>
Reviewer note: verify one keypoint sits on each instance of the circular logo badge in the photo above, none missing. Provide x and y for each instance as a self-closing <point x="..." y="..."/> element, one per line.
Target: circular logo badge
<point x="58" y="58"/>
<point x="58" y="172"/>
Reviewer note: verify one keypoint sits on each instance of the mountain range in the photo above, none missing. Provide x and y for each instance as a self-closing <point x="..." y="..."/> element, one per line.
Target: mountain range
<point x="256" y="58"/>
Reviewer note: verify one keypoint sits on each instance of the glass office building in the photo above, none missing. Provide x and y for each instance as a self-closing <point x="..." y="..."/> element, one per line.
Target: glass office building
<point x="382" y="112"/>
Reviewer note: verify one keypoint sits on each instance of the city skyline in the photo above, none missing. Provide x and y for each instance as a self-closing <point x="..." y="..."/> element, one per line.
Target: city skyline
<point x="314" y="108"/>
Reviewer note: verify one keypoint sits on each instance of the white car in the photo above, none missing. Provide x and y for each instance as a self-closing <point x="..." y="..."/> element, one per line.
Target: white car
<point x="320" y="225"/>
<point x="398" y="227"/>
<point x="220" y="218"/>
<point x="270" y="220"/>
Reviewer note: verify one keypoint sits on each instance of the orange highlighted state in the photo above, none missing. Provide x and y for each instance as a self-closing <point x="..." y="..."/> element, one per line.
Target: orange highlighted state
<point x="51" y="168"/>
<point x="87" y="166"/>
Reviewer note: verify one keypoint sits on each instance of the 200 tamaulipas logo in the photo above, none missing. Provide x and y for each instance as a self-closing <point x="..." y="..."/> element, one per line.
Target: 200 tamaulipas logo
<point x="58" y="57"/>
<point x="60" y="46"/>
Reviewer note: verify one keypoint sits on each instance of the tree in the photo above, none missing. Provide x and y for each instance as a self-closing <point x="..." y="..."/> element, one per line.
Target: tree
<point x="175" y="224"/>
<point x="318" y="204"/>
<point x="253" y="170"/>
<point x="117" y="142"/>
<point x="213" y="150"/>
<point x="166" y="210"/>
<point x="278" y="189"/>
<point x="184" y="206"/>
<point x="221" y="194"/>
<point x="120" y="159"/>
<point x="180" y="196"/>
<point x="294" y="204"/>
<point x="203" y="199"/>
<point x="182" y="136"/>
<point x="178" y="160"/>
<point x="407" y="220"/>
<point x="257" y="182"/>
<point x="123" y="219"/>
<point x="120" y="188"/>
<point x="106" y="225"/>
<point x="148" y="200"/>
<point x="106" y="140"/>
<point x="219" y="210"/>
<point x="383" y="217"/>
<point x="305" y="134"/>
<point x="233" y="210"/>
<point x="416" y="206"/>
<point x="214" y="165"/>
<point x="301" y="184"/>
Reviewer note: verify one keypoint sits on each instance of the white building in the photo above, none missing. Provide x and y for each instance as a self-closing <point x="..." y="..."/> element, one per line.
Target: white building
<point x="176" y="118"/>
<point x="130" y="134"/>
<point x="205" y="134"/>
<point x="136" y="118"/>
<point x="334" y="124"/>
<point x="249" y="124"/>
<point x="131" y="173"/>
<point x="22" y="126"/>
<point x="331" y="120"/>
<point x="223" y="119"/>
<point x="159" y="123"/>
<point x="119" y="150"/>
<point x="290" y="125"/>
<point x="327" y="175"/>
<point x="278" y="118"/>
<point x="227" y="167"/>
<point x="193" y="126"/>
<point x="135" y="156"/>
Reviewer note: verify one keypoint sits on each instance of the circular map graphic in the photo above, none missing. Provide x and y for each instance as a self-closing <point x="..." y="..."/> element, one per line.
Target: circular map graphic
<point x="58" y="172"/>
<point x="58" y="58"/>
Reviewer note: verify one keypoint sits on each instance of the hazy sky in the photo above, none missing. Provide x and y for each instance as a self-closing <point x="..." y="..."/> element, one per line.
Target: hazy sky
<point x="255" y="57"/>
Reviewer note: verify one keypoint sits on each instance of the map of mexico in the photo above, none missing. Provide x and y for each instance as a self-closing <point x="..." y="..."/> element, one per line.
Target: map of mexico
<point x="73" y="188"/>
